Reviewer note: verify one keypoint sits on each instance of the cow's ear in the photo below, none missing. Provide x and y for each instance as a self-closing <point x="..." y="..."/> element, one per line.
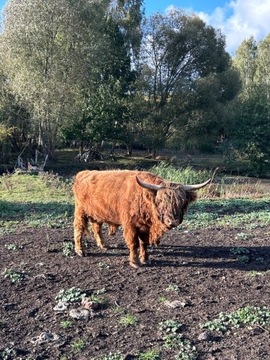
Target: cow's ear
<point x="148" y="186"/>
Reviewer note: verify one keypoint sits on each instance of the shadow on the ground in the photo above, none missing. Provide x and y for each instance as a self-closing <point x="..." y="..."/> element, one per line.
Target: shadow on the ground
<point x="218" y="257"/>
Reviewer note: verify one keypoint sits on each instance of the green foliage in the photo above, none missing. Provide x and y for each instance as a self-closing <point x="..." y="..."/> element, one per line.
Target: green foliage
<point x="98" y="79"/>
<point x="164" y="107"/>
<point x="13" y="247"/>
<point x="182" y="175"/>
<point x="14" y="276"/>
<point x="103" y="265"/>
<point x="255" y="273"/>
<point x="78" y="345"/>
<point x="170" y="329"/>
<point x="242" y="253"/>
<point x="97" y="297"/>
<point x="172" y="340"/>
<point x="252" y="213"/>
<point x="27" y="188"/>
<point x="70" y="295"/>
<point x="66" y="324"/>
<point x="162" y="299"/>
<point x="243" y="259"/>
<point x="5" y="132"/>
<point x="34" y="200"/>
<point x="170" y="326"/>
<point x="149" y="355"/>
<point x="243" y="236"/>
<point x="128" y="320"/>
<point x="68" y="249"/>
<point x="249" y="315"/>
<point x="251" y="111"/>
<point x="188" y="351"/>
<point x="173" y="287"/>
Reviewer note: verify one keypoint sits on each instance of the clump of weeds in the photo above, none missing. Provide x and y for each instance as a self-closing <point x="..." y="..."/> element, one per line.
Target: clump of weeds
<point x="14" y="276"/>
<point x="70" y="295"/>
<point x="68" y="249"/>
<point x="149" y="355"/>
<point x="78" y="345"/>
<point x="173" y="340"/>
<point x="128" y="320"/>
<point x="13" y="247"/>
<point x="248" y="315"/>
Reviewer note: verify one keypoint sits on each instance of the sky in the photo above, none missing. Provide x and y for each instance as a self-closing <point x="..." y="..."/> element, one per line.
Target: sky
<point x="237" y="19"/>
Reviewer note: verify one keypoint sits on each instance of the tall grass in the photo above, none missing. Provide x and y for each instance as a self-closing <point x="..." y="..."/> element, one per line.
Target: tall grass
<point x="221" y="187"/>
<point x="181" y="175"/>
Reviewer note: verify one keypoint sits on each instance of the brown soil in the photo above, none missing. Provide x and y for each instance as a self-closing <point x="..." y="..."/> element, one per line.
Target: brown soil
<point x="196" y="268"/>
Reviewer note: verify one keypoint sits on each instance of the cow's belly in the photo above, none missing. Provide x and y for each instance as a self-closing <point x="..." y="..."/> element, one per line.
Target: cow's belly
<point x="100" y="218"/>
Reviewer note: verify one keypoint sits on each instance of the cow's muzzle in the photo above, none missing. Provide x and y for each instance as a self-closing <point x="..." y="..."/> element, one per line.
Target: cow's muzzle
<point x="171" y="223"/>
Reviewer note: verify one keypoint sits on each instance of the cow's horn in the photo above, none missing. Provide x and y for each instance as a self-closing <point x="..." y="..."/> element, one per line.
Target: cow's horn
<point x="197" y="186"/>
<point x="149" y="186"/>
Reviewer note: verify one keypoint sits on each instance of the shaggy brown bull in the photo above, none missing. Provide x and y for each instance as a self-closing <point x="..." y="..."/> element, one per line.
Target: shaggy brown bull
<point x="145" y="205"/>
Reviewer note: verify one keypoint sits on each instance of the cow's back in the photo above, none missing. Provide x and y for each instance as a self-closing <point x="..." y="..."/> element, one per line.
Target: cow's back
<point x="112" y="196"/>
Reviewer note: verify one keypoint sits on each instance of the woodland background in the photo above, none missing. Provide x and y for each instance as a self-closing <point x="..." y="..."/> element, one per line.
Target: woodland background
<point x="91" y="73"/>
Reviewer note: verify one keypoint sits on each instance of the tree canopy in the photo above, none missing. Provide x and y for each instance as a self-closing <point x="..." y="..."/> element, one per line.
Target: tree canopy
<point x="89" y="71"/>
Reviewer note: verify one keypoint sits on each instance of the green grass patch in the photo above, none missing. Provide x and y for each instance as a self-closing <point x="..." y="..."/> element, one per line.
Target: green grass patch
<point x="234" y="212"/>
<point x="128" y="320"/>
<point x="35" y="201"/>
<point x="46" y="200"/>
<point x="248" y="315"/>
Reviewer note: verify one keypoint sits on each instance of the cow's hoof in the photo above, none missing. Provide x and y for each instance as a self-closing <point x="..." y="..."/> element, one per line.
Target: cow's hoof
<point x="80" y="252"/>
<point x="145" y="262"/>
<point x="134" y="265"/>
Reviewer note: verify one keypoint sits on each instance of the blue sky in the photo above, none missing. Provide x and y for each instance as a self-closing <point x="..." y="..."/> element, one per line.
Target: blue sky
<point x="237" y="19"/>
<point x="198" y="5"/>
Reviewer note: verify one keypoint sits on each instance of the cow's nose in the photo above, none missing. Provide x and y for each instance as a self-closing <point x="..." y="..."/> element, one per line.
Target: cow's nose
<point x="170" y="223"/>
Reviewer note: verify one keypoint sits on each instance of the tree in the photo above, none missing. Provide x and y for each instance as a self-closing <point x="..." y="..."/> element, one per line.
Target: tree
<point x="14" y="121"/>
<point x="246" y="62"/>
<point x="47" y="48"/>
<point x="105" y="96"/>
<point x="252" y="109"/>
<point x="181" y="55"/>
<point x="252" y="131"/>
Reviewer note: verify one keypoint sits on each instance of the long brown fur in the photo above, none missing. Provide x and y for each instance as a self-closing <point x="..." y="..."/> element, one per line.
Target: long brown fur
<point x="115" y="197"/>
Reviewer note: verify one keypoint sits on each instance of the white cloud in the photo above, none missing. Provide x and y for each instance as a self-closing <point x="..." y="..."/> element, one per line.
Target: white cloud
<point x="238" y="20"/>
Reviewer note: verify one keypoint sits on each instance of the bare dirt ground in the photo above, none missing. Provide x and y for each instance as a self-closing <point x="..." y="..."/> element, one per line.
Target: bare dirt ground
<point x="192" y="278"/>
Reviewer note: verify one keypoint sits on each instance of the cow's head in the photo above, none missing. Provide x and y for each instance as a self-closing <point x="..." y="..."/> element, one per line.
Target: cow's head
<point x="172" y="199"/>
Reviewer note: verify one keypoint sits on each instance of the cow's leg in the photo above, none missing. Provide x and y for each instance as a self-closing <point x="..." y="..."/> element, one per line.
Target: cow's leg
<point x="144" y="242"/>
<point x="97" y="230"/>
<point x="132" y="241"/>
<point x="80" y="225"/>
<point x="112" y="229"/>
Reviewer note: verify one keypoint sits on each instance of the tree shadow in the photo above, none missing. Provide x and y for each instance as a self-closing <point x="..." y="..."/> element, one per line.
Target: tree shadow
<point x="257" y="258"/>
<point x="214" y="257"/>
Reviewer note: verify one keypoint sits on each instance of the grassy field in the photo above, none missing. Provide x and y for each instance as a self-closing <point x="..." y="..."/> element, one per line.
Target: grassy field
<point x="46" y="199"/>
<point x="223" y="250"/>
